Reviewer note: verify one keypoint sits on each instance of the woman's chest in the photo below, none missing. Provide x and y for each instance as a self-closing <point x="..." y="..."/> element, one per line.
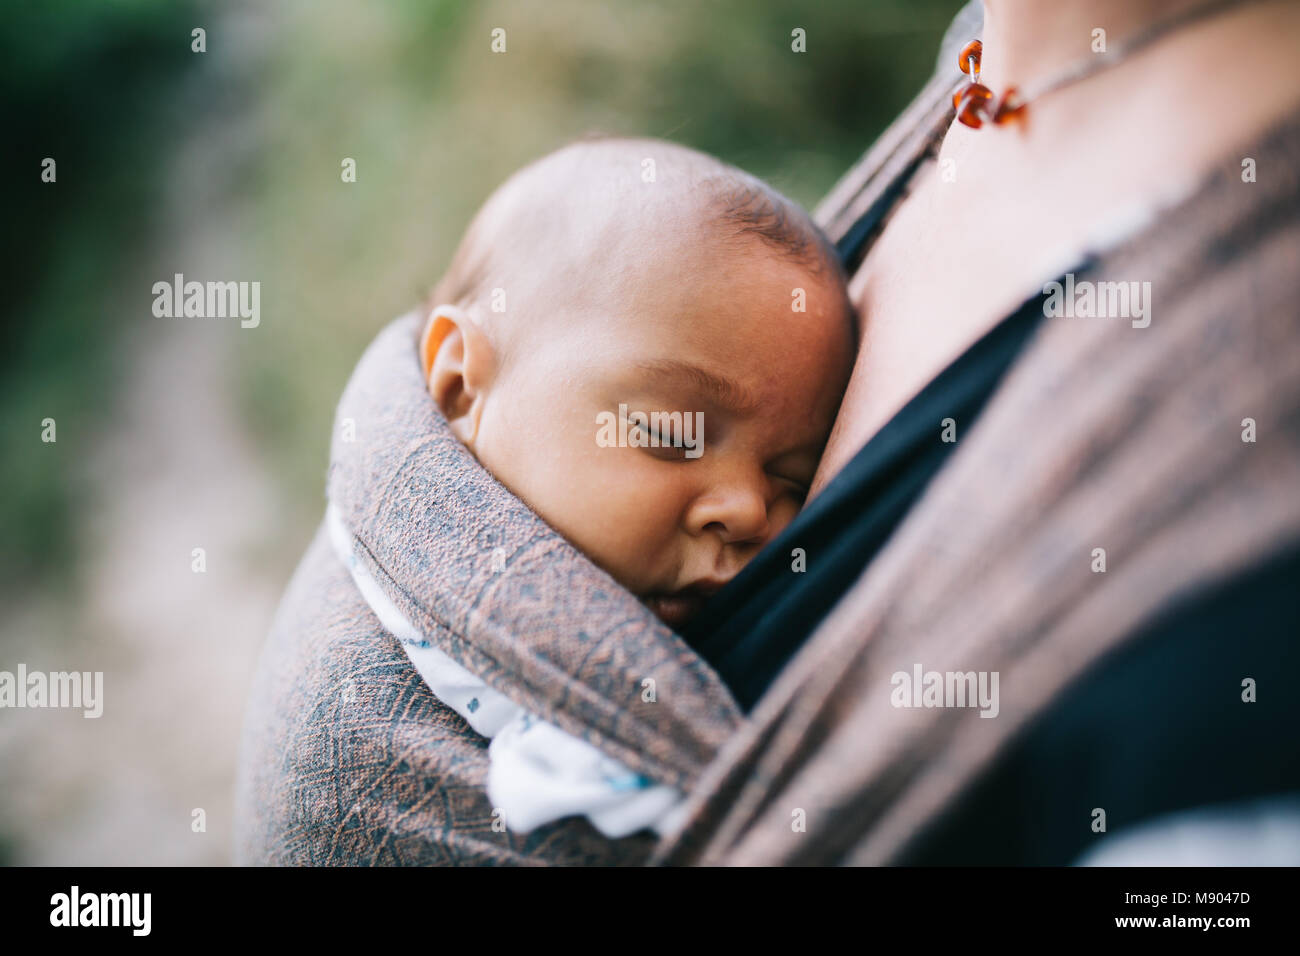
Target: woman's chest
<point x="946" y="268"/>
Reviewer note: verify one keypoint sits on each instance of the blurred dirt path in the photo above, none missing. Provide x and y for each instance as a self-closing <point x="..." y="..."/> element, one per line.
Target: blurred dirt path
<point x="172" y="470"/>
<point x="173" y="473"/>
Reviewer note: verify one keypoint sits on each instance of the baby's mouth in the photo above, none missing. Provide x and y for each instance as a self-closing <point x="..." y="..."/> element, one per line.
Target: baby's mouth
<point x="677" y="607"/>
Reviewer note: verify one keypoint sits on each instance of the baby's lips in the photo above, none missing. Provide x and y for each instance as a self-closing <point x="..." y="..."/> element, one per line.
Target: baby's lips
<point x="675" y="609"/>
<point x="679" y="607"/>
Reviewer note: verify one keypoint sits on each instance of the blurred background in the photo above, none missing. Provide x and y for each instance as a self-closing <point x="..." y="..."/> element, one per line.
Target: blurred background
<point x="176" y="434"/>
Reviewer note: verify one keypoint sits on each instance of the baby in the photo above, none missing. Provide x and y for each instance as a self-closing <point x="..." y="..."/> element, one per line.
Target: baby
<point x="648" y="347"/>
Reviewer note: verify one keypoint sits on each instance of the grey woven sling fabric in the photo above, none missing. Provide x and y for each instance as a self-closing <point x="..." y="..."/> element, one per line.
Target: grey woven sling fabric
<point x="1103" y="435"/>
<point x="348" y="758"/>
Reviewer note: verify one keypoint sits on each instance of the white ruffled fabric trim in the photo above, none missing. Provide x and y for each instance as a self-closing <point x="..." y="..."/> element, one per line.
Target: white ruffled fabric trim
<point x="537" y="773"/>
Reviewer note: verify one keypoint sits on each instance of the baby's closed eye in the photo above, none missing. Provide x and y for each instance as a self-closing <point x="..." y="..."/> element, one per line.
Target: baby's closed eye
<point x="670" y="436"/>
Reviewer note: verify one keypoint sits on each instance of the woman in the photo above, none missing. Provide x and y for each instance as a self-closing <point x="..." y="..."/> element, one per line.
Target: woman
<point x="1124" y="438"/>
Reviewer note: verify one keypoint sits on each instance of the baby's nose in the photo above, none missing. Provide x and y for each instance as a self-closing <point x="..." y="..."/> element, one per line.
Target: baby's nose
<point x="737" y="516"/>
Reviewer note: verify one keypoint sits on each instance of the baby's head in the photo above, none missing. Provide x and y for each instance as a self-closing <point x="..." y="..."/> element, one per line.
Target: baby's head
<point x="604" y="288"/>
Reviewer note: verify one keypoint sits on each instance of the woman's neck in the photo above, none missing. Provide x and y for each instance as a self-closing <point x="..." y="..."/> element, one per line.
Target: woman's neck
<point x="1029" y="41"/>
<point x="1239" y="59"/>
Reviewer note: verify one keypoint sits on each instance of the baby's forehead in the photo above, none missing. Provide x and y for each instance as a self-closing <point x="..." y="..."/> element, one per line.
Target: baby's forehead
<point x="598" y="202"/>
<point x="596" y="190"/>
<point x="564" y="231"/>
<point x="607" y="186"/>
<point x="626" y="223"/>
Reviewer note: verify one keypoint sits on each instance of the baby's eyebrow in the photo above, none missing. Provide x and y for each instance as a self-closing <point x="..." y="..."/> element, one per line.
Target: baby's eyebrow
<point x="725" y="392"/>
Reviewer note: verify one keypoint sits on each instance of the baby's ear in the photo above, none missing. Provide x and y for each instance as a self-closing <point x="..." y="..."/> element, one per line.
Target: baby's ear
<point x="458" y="362"/>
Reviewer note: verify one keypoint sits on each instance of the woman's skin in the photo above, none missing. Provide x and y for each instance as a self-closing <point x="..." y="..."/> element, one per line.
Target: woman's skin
<point x="1027" y="203"/>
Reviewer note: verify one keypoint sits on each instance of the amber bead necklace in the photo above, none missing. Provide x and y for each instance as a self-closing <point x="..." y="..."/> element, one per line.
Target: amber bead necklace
<point x="974" y="102"/>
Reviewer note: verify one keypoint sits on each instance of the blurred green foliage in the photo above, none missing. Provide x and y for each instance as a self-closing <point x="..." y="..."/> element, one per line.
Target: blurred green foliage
<point x="434" y="119"/>
<point x="86" y="84"/>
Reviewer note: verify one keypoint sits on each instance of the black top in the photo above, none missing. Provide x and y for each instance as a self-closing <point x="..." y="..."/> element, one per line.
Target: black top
<point x="1158" y="726"/>
<point x="752" y="627"/>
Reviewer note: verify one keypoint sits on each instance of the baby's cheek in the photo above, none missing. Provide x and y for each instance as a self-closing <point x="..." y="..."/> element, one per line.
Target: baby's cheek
<point x="782" y="512"/>
<point x="621" y="514"/>
<point x="630" y="503"/>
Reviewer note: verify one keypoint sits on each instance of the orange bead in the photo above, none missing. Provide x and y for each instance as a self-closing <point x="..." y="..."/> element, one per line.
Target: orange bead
<point x="980" y="90"/>
<point x="1010" y="109"/>
<point x="971" y="51"/>
<point x="973" y="105"/>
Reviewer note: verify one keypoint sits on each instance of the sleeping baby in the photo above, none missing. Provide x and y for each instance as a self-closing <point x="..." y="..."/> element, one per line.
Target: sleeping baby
<point x="648" y="347"/>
